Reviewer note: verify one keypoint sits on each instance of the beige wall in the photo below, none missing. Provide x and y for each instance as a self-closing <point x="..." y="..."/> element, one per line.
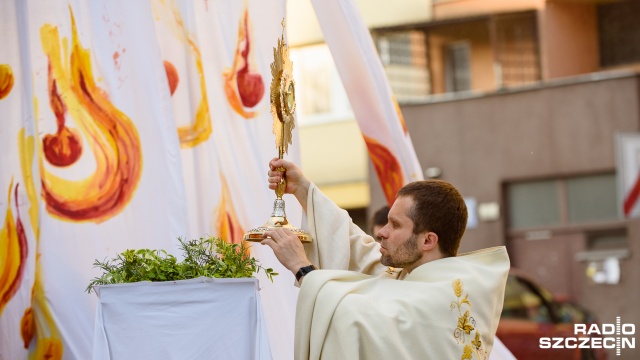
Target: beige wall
<point x="477" y="34"/>
<point x="304" y="28"/>
<point x="447" y="9"/>
<point x="334" y="157"/>
<point x="569" y="39"/>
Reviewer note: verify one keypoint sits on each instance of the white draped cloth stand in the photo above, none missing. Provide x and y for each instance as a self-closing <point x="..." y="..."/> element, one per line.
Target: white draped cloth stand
<point x="200" y="318"/>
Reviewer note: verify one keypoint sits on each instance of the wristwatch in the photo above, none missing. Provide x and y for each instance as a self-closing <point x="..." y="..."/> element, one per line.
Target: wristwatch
<point x="304" y="271"/>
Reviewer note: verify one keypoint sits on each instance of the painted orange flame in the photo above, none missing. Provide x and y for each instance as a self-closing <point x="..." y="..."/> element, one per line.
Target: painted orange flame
<point x="37" y="322"/>
<point x="110" y="134"/>
<point x="49" y="349"/>
<point x="387" y="167"/>
<point x="243" y="87"/>
<point x="6" y="80"/>
<point x="200" y="128"/>
<point x="400" y="117"/>
<point x="227" y="224"/>
<point x="13" y="252"/>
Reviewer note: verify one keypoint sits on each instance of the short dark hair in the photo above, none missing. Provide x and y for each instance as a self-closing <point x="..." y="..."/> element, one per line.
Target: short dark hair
<point x="437" y="207"/>
<point x="380" y="217"/>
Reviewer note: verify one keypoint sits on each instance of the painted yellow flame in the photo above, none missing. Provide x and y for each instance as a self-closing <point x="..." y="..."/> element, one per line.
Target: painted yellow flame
<point x="37" y="321"/>
<point x="10" y="261"/>
<point x="48" y="339"/>
<point x="27" y="150"/>
<point x="200" y="129"/>
<point x="110" y="134"/>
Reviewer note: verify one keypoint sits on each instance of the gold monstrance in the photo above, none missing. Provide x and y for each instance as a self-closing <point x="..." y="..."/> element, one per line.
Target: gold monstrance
<point x="283" y="105"/>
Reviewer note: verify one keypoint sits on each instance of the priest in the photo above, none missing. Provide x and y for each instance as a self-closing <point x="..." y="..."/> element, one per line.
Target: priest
<point x="409" y="296"/>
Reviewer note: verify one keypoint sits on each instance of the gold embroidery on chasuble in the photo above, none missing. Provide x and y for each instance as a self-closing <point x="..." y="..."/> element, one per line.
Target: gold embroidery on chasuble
<point x="466" y="325"/>
<point x="395" y="273"/>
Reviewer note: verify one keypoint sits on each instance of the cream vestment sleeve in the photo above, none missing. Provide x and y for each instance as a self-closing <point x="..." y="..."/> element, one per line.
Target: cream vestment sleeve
<point x="330" y="227"/>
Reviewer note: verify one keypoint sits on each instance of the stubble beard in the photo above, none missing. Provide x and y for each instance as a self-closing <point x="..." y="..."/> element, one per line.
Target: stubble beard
<point x="405" y="255"/>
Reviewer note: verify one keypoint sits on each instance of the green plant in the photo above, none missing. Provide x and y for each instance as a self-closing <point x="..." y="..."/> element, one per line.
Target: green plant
<point x="209" y="257"/>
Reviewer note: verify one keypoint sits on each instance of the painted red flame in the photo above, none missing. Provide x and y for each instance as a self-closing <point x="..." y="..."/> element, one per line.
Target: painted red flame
<point x="64" y="147"/>
<point x="250" y="84"/>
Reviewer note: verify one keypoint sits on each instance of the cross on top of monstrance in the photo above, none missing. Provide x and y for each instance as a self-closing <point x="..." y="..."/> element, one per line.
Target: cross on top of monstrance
<point x="283" y="106"/>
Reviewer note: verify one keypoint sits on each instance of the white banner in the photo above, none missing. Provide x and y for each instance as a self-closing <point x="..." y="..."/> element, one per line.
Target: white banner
<point x="628" y="174"/>
<point x="19" y="207"/>
<point x="225" y="168"/>
<point x="376" y="110"/>
<point x="126" y="125"/>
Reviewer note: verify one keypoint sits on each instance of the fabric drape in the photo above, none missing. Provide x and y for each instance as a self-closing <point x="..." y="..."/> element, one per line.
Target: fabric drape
<point x="125" y="125"/>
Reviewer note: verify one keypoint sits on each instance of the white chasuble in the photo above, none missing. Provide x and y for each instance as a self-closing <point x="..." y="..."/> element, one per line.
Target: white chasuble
<point x="444" y="309"/>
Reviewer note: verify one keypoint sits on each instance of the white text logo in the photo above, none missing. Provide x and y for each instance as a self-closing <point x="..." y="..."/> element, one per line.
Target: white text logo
<point x="610" y="336"/>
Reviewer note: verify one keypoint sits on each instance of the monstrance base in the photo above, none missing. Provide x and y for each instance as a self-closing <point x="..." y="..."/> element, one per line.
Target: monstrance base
<point x="257" y="234"/>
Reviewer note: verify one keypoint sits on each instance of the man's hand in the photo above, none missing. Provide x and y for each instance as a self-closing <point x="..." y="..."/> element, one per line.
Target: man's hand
<point x="297" y="184"/>
<point x="287" y="248"/>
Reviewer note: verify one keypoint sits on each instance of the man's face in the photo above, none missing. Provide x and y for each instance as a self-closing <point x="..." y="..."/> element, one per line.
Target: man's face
<point x="399" y="246"/>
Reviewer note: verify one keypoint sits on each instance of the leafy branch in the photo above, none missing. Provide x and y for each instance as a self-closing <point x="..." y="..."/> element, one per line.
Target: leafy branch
<point x="208" y="257"/>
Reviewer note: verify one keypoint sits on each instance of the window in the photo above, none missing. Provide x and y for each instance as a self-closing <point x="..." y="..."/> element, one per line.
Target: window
<point x="458" y="66"/>
<point x="565" y="201"/>
<point x="533" y="204"/>
<point x="320" y="95"/>
<point x="517" y="48"/>
<point x="592" y="198"/>
<point x="404" y="57"/>
<point x="619" y="32"/>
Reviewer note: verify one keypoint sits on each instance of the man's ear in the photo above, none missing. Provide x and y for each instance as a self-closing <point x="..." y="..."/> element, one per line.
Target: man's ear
<point x="429" y="241"/>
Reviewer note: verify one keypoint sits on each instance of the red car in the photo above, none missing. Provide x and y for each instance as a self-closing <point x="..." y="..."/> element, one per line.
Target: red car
<point x="530" y="312"/>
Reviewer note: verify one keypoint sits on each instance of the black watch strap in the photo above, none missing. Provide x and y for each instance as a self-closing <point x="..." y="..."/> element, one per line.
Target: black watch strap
<point x="304" y="271"/>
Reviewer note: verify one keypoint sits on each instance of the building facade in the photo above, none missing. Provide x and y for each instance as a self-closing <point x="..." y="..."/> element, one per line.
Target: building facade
<point x="517" y="103"/>
<point x="525" y="105"/>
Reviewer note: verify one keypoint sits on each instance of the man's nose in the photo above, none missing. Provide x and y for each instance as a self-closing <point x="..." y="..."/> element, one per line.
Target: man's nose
<point x="381" y="234"/>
